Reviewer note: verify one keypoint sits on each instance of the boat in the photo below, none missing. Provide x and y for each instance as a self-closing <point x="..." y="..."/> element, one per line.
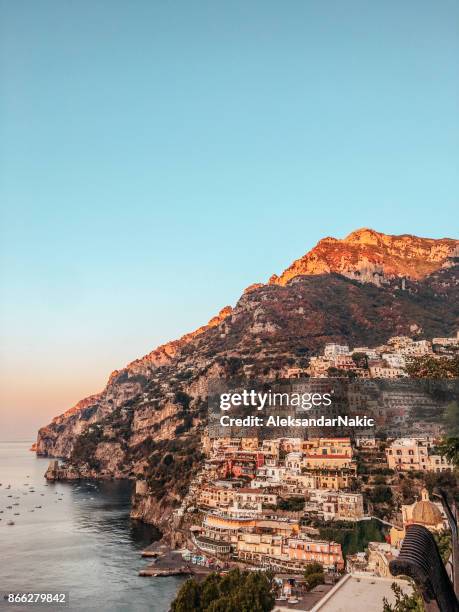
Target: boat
<point x="10" y="523"/>
<point x="37" y="506"/>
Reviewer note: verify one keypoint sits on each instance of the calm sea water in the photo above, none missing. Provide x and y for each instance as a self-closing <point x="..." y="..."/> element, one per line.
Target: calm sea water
<point x="81" y="540"/>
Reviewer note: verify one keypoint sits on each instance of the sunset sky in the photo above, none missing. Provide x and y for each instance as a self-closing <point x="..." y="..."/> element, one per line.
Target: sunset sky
<point x="158" y="157"/>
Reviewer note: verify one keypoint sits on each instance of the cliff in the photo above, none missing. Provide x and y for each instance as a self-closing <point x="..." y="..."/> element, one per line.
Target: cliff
<point x="146" y="424"/>
<point x="365" y="249"/>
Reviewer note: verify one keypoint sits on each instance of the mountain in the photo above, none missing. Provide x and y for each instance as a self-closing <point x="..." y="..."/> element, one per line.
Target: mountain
<point x="156" y="406"/>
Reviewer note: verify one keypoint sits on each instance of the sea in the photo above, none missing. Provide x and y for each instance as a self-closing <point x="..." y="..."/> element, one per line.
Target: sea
<point x="75" y="538"/>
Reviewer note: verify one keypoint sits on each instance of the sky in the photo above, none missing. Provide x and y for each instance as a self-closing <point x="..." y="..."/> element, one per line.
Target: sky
<point x="158" y="157"/>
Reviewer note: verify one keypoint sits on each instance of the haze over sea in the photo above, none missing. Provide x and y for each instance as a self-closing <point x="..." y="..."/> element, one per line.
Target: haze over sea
<point x="81" y="540"/>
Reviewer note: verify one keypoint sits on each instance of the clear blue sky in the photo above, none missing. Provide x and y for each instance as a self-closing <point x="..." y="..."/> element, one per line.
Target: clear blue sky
<point x="158" y="157"/>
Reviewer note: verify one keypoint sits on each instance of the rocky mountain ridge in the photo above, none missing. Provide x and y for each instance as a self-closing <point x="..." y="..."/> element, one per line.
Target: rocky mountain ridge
<point x="393" y="256"/>
<point x="364" y="255"/>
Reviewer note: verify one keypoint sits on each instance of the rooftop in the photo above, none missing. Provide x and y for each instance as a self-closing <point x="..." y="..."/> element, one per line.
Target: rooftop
<point x="369" y="591"/>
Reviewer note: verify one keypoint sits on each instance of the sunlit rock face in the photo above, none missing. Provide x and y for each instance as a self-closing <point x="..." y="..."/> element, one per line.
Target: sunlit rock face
<point x="367" y="250"/>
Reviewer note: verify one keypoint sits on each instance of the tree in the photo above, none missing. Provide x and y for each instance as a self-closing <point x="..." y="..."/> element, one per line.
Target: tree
<point x="360" y="360"/>
<point x="449" y="448"/>
<point x="403" y="602"/>
<point x="451" y="419"/>
<point x="430" y="367"/>
<point x="235" y="591"/>
<point x="443" y="540"/>
<point x="313" y="568"/>
<point x="314" y="575"/>
<point x="292" y="504"/>
<point x="408" y="491"/>
<point x="188" y="598"/>
<point x="381" y="494"/>
<point x="314" y="580"/>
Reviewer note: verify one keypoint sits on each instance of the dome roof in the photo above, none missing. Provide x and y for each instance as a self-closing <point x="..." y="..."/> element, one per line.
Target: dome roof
<point x="426" y="513"/>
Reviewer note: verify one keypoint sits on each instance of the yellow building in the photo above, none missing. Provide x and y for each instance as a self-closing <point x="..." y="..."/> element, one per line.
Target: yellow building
<point x="249" y="444"/>
<point x="415" y="454"/>
<point x="328" y="453"/>
<point x="256" y="546"/>
<point x="216" y="497"/>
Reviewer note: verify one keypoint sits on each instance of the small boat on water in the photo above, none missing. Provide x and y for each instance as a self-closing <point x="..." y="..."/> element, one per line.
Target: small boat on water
<point x="17" y="513"/>
<point x="37" y="506"/>
<point x="10" y="523"/>
<point x="9" y="507"/>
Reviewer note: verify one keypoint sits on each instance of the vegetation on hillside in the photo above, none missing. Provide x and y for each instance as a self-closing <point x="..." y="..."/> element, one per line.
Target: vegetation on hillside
<point x="433" y="367"/>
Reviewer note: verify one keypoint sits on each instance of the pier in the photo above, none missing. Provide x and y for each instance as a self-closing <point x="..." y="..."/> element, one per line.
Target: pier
<point x="167" y="562"/>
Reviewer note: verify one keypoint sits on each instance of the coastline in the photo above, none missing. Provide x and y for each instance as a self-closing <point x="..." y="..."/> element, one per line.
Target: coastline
<point x="81" y="536"/>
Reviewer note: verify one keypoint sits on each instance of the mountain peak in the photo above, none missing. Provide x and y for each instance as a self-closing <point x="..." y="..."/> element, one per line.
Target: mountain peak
<point x="365" y="235"/>
<point x="365" y="248"/>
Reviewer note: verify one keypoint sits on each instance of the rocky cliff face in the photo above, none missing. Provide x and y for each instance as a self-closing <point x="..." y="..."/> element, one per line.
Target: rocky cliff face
<point x="146" y="424"/>
<point x="365" y="249"/>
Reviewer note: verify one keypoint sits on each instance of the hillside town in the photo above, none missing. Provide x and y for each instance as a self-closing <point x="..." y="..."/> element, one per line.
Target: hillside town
<point x="272" y="503"/>
<point x="386" y="361"/>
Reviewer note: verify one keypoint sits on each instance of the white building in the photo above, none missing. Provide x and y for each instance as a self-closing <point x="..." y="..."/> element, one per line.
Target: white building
<point x="333" y="350"/>
<point x="417" y="348"/>
<point x="394" y="360"/>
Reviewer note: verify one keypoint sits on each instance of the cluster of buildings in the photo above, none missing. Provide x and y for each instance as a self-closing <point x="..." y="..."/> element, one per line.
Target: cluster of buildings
<point x="416" y="455"/>
<point x="275" y="542"/>
<point x="385" y="361"/>
<point x="254" y="495"/>
<point x="246" y="484"/>
<point x="256" y="500"/>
